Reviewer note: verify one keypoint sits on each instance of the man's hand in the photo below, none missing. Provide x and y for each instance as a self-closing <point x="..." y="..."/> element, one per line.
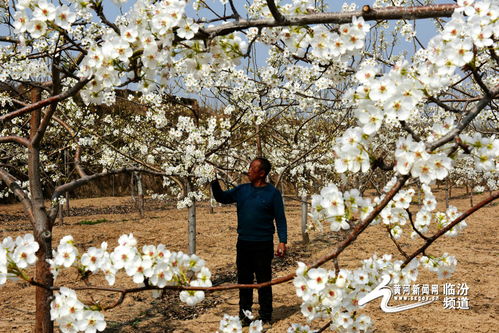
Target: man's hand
<point x="281" y="250"/>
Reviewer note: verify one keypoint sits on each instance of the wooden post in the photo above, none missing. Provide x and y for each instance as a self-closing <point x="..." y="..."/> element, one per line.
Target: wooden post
<point x="259" y="150"/>
<point x="66" y="173"/>
<point x="304" y="216"/>
<point x="132" y="187"/>
<point x="61" y="214"/>
<point x="282" y="193"/>
<point x="471" y="194"/>
<point x="447" y="194"/>
<point x="191" y="221"/>
<point x="140" y="195"/>
<point x="211" y="209"/>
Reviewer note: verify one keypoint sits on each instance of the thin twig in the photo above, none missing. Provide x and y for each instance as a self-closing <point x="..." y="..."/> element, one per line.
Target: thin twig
<point x="451" y="225"/>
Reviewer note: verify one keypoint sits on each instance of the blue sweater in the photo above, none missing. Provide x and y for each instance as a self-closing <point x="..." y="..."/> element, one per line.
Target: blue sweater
<point x="257" y="207"/>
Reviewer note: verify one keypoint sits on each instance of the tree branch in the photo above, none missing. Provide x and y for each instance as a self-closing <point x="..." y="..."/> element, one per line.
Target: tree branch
<point x="60" y="190"/>
<point x="45" y="102"/>
<point x="357" y="230"/>
<point x="9" y="39"/>
<point x="56" y="89"/>
<point x="21" y="195"/>
<point x="467" y="213"/>
<point x="370" y="14"/>
<point x="396" y="243"/>
<point x="234" y="10"/>
<point x="99" y="10"/>
<point x="442" y="104"/>
<point x="465" y="121"/>
<point x="15" y="139"/>
<point x="409" y="130"/>
<point x="279" y="18"/>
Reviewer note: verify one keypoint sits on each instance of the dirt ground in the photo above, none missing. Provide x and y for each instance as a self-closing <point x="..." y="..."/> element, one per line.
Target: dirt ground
<point x="105" y="219"/>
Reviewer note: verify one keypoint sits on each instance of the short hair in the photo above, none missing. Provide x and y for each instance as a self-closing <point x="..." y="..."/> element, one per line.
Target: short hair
<point x="265" y="164"/>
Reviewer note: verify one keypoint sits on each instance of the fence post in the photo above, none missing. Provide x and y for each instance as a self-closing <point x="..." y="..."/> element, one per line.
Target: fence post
<point x="191" y="228"/>
<point x="211" y="208"/>
<point x="132" y="187"/>
<point x="66" y="174"/>
<point x="61" y="213"/>
<point x="140" y="194"/>
<point x="304" y="215"/>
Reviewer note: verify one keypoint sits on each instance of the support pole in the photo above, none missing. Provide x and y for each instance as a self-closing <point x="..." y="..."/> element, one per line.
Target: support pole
<point x="304" y="216"/>
<point x="191" y="228"/>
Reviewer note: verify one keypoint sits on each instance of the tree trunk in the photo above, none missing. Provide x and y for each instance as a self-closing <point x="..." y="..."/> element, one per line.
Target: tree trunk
<point x="191" y="228"/>
<point x="43" y="228"/>
<point x="304" y="215"/>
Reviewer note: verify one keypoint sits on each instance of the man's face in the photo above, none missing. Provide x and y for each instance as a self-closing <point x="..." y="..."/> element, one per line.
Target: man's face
<point x="255" y="171"/>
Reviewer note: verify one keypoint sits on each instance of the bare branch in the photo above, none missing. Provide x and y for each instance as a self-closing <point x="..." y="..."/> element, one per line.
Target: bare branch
<point x="234" y="10"/>
<point x="77" y="160"/>
<point x="84" y="180"/>
<point x="325" y="327"/>
<point x="479" y="81"/>
<point x="21" y="195"/>
<point x="15" y="139"/>
<point x="396" y="243"/>
<point x="9" y="39"/>
<point x="442" y="104"/>
<point x="275" y="12"/>
<point x="56" y="89"/>
<point x="411" y="220"/>
<point x="370" y="14"/>
<point x="99" y="10"/>
<point x="409" y="130"/>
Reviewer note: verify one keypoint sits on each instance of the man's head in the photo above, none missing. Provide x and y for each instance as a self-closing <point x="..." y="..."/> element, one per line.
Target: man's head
<point x="259" y="169"/>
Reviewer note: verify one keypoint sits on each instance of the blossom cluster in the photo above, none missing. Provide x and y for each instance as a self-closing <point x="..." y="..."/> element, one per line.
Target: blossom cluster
<point x="72" y="315"/>
<point x="298" y="328"/>
<point x="44" y="15"/>
<point x="444" y="265"/>
<point x="325" y="44"/>
<point x="230" y="324"/>
<point x="396" y="96"/>
<point x="334" y="295"/>
<point x="337" y="208"/>
<point x="156" y="264"/>
<point x="425" y="216"/>
<point x="412" y="157"/>
<point x="485" y="150"/>
<point x="16" y="255"/>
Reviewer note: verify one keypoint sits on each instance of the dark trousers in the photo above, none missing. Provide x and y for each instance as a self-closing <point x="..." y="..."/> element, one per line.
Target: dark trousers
<point x="254" y="259"/>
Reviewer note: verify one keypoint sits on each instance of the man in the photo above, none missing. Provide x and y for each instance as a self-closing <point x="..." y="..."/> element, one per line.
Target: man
<point x="258" y="205"/>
